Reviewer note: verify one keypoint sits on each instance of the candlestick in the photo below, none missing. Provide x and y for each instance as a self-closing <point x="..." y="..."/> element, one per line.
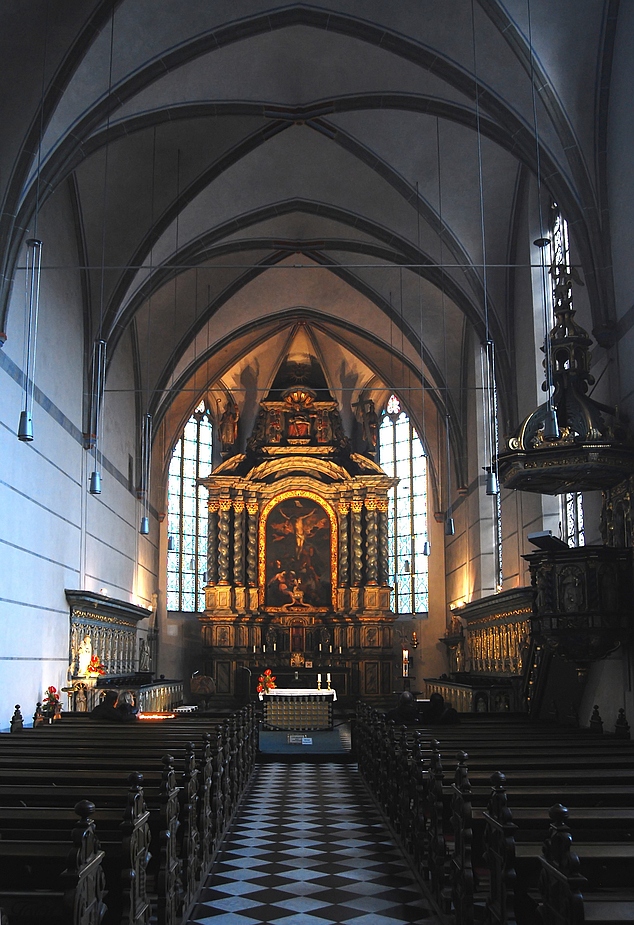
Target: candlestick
<point x="318" y="682"/>
<point x="330" y="648"/>
<point x="328" y="680"/>
<point x="340" y="650"/>
<point x="320" y="647"/>
<point x="254" y="650"/>
<point x="264" y="648"/>
<point x="275" y="647"/>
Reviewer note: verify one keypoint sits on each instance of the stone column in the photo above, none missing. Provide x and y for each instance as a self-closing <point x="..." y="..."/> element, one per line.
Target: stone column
<point x="371" y="542"/>
<point x="223" y="541"/>
<point x="384" y="559"/>
<point x="212" y="541"/>
<point x="357" y="544"/>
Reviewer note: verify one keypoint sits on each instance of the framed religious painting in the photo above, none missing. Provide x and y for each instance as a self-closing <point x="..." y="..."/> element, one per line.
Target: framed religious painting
<point x="298" y="554"/>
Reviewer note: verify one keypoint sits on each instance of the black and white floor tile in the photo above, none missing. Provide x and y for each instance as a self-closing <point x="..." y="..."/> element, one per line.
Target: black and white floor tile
<point x="309" y="848"/>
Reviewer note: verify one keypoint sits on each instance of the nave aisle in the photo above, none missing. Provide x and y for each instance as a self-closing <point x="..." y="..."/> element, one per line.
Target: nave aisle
<point x="308" y="847"/>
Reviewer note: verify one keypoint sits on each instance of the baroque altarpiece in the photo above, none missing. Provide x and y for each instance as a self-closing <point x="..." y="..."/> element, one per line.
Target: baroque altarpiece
<point x="298" y="551"/>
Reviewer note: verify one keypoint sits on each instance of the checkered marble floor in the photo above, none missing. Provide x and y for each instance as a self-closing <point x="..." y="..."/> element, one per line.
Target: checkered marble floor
<point x="309" y="848"/>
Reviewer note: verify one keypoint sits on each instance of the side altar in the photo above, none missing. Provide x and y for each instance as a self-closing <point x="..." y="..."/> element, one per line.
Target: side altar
<point x="298" y="550"/>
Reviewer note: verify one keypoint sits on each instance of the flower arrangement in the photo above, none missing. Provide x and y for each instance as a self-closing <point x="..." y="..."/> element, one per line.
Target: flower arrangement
<point x="266" y="682"/>
<point x="50" y="700"/>
<point x="95" y="666"/>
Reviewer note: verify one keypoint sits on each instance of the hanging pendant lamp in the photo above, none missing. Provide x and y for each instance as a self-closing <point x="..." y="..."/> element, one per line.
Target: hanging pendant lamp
<point x="33" y="272"/>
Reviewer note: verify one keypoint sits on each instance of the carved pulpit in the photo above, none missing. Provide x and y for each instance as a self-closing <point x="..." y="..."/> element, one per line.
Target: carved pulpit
<point x="298" y="551"/>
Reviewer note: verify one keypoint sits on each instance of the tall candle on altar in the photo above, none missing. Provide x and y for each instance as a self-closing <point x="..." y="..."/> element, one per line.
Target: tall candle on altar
<point x="328" y="678"/>
<point x="318" y="679"/>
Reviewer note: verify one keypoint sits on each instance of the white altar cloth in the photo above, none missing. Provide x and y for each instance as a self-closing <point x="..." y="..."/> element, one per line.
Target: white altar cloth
<point x="301" y="692"/>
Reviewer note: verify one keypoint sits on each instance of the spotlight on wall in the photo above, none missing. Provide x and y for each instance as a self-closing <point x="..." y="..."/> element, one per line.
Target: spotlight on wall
<point x="427" y="548"/>
<point x="450" y="527"/>
<point x="171" y="545"/>
<point x="144" y="529"/>
<point x="95" y="483"/>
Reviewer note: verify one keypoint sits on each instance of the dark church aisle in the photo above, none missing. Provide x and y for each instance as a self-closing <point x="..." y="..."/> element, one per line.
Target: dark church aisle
<point x="309" y="848"/>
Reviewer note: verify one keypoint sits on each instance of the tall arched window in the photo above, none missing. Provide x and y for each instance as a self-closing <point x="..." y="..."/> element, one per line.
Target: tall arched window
<point x="187" y="514"/>
<point x="401" y="454"/>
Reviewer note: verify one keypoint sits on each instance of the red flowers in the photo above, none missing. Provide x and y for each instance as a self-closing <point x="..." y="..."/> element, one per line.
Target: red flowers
<point x="95" y="666"/>
<point x="50" y="699"/>
<point x="266" y="682"/>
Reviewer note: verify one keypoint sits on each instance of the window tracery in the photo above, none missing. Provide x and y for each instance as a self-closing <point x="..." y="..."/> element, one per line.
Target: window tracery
<point x="401" y="455"/>
<point x="187" y="514"/>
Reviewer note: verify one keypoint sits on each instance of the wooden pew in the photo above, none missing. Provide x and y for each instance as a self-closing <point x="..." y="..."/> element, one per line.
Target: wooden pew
<point x="188" y="816"/>
<point x="443" y="826"/>
<point x="44" y="881"/>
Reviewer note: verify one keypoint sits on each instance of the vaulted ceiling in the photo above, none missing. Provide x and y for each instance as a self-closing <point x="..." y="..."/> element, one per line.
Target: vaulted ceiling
<point x="238" y="167"/>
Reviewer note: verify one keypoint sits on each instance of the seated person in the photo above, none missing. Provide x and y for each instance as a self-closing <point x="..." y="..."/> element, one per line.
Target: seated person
<point x="126" y="706"/>
<point x="107" y="709"/>
<point x="437" y="712"/>
<point x="405" y="711"/>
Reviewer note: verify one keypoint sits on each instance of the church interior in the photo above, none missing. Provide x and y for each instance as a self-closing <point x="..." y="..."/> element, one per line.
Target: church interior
<point x="315" y="331"/>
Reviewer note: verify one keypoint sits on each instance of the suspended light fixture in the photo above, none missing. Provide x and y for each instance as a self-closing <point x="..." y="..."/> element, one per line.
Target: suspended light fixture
<point x="171" y="545"/>
<point x="32" y="289"/>
<point x="426" y="543"/>
<point x="146" y="451"/>
<point x="450" y="527"/>
<point x="96" y="414"/>
<point x="492" y="484"/>
<point x="489" y="396"/>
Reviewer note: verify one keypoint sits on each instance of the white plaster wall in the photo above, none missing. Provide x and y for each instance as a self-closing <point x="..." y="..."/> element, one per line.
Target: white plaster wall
<point x="53" y="534"/>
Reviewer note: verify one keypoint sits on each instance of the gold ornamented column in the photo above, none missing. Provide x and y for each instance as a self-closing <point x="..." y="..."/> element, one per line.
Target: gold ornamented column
<point x="252" y="554"/>
<point x="344" y="554"/>
<point x="371" y="542"/>
<point x="238" y="555"/>
<point x="212" y="541"/>
<point x="384" y="562"/>
<point x="357" y="555"/>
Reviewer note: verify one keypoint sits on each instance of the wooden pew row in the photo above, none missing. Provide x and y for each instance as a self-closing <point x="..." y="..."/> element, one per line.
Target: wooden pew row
<point x="123" y="838"/>
<point x="427" y="813"/>
<point x="54" y="881"/>
<point x="210" y="786"/>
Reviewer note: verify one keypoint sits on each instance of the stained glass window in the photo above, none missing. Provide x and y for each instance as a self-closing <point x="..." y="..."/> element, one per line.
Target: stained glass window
<point x="187" y="514"/>
<point x="401" y="454"/>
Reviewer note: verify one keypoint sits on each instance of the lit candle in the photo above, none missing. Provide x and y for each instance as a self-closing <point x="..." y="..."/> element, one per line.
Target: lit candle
<point x="320" y="647"/>
<point x="340" y="650"/>
<point x="328" y="678"/>
<point x="318" y="679"/>
<point x="264" y="648"/>
<point x="254" y="650"/>
<point x="275" y="647"/>
<point x="330" y="647"/>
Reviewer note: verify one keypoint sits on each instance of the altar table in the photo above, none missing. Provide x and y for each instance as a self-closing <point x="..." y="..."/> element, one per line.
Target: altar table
<point x="304" y="709"/>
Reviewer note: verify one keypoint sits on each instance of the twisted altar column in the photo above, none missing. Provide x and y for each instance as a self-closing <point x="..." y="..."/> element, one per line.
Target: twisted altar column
<point x="357" y="544"/>
<point x="252" y="544"/>
<point x="371" y="542"/>
<point x="223" y="541"/>
<point x="212" y="541"/>
<point x="384" y="559"/>
<point x="238" y="542"/>
<point x="344" y="549"/>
